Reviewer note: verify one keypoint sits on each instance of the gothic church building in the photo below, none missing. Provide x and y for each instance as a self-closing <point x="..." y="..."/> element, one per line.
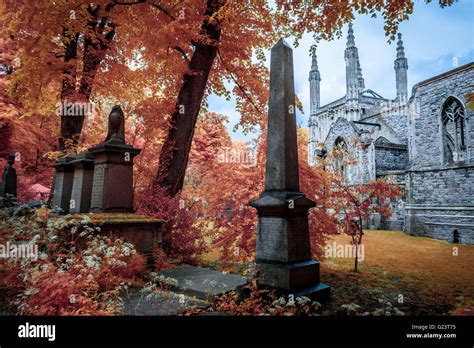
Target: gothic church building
<point x="425" y="141"/>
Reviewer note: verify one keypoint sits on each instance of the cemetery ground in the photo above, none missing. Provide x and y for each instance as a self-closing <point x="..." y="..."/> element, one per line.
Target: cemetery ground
<point x="424" y="271"/>
<point x="399" y="275"/>
<point x="429" y="278"/>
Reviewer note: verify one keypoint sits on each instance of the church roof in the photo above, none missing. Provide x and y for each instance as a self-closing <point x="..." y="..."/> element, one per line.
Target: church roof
<point x="360" y="127"/>
<point x="371" y="93"/>
<point x="446" y="74"/>
<point x="368" y="93"/>
<point x="353" y="129"/>
<point x="332" y="104"/>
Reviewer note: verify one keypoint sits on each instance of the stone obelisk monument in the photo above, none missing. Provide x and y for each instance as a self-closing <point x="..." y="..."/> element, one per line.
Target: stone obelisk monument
<point x="283" y="254"/>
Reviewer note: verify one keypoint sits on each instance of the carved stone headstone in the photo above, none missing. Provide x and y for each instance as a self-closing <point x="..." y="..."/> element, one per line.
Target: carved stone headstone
<point x="82" y="183"/>
<point x="112" y="186"/>
<point x="8" y="192"/>
<point x="283" y="255"/>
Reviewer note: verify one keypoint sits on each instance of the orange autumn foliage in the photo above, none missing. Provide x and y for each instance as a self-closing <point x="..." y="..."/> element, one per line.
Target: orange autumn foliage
<point x="143" y="69"/>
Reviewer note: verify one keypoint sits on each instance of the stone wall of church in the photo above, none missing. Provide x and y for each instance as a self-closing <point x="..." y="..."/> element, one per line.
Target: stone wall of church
<point x="425" y="131"/>
<point x="390" y="157"/>
<point x="441" y="222"/>
<point x="440" y="197"/>
<point x="325" y="118"/>
<point x="395" y="221"/>
<point x="396" y="118"/>
<point x="359" y="172"/>
<point x="442" y="187"/>
<point x="398" y="122"/>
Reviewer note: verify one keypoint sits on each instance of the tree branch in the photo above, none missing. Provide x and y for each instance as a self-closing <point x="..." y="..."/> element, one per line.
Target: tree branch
<point x="183" y="53"/>
<point x="242" y="89"/>
<point x="166" y="12"/>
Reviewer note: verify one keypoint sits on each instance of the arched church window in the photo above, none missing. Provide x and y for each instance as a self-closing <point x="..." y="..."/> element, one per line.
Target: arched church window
<point x="340" y="154"/>
<point x="454" y="130"/>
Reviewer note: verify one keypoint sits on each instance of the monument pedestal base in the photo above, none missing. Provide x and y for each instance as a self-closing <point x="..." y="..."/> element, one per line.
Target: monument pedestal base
<point x="81" y="183"/>
<point x="62" y="183"/>
<point x="283" y="255"/>
<point x="297" y="279"/>
<point x="145" y="236"/>
<point x="112" y="184"/>
<point x="144" y="233"/>
<point x="320" y="293"/>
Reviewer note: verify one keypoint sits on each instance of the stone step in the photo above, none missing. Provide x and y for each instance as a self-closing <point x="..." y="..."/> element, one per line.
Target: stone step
<point x="202" y="283"/>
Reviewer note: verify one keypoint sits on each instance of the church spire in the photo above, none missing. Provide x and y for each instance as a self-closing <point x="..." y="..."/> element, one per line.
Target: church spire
<point x="354" y="79"/>
<point x="401" y="67"/>
<point x="350" y="37"/>
<point x="400" y="48"/>
<point x="314" y="62"/>
<point x="314" y="85"/>
<point x="360" y="78"/>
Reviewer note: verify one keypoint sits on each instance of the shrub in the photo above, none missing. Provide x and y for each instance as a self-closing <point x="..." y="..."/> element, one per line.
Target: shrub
<point x="182" y="237"/>
<point x="78" y="271"/>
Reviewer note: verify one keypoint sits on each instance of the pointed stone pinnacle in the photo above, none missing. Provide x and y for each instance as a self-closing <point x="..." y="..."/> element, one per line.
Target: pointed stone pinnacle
<point x="400" y="48"/>
<point x="314" y="62"/>
<point x="350" y="37"/>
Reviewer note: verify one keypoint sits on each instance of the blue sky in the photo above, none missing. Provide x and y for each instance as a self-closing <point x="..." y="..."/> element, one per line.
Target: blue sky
<point x="435" y="40"/>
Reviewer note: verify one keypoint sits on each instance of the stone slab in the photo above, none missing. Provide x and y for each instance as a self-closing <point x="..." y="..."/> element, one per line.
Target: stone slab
<point x="203" y="283"/>
<point x="161" y="303"/>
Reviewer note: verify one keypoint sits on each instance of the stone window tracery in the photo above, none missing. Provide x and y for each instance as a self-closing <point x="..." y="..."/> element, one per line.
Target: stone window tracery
<point x="454" y="131"/>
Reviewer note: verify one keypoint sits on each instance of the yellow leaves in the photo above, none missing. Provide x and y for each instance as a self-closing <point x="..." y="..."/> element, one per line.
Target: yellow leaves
<point x="53" y="155"/>
<point x="42" y="213"/>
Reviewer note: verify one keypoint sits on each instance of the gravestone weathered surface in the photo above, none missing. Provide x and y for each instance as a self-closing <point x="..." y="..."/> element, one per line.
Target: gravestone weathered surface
<point x="136" y="302"/>
<point x="283" y="256"/>
<point x="112" y="186"/>
<point x="8" y="192"/>
<point x="205" y="284"/>
<point x="62" y="183"/>
<point x="82" y="183"/>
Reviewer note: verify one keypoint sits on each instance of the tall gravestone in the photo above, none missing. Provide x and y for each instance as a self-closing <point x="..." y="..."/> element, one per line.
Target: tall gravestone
<point x="8" y="187"/>
<point x="81" y="191"/>
<point x="112" y="185"/>
<point x="283" y="255"/>
<point x="62" y="183"/>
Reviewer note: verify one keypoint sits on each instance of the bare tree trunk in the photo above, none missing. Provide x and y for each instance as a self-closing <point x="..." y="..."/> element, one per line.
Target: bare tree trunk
<point x="359" y="241"/>
<point x="70" y="126"/>
<point x="356" y="257"/>
<point x="175" y="152"/>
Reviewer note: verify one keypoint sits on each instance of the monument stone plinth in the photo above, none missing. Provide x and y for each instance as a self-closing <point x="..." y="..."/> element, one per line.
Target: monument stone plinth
<point x="62" y="183"/>
<point x="112" y="186"/>
<point x="283" y="255"/>
<point x="82" y="183"/>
